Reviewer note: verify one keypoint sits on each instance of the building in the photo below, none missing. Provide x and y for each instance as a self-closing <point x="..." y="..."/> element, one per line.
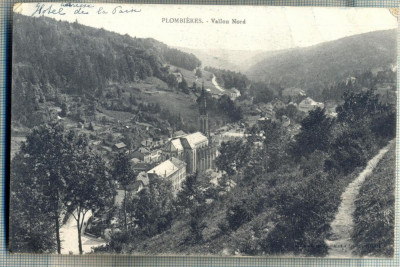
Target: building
<point x="233" y="93"/>
<point x="141" y="181"/>
<point x="146" y="155"/>
<point x="178" y="76"/>
<point x="119" y="147"/>
<point x="198" y="154"/>
<point x="173" y="170"/>
<point x="195" y="149"/>
<point x="309" y="104"/>
<point x="277" y="104"/>
<point x="174" y="149"/>
<point x="204" y="127"/>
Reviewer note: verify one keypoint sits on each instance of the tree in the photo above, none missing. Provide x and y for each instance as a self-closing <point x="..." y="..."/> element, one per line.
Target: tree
<point x="124" y="174"/>
<point x="153" y="209"/>
<point x="314" y="135"/>
<point x="171" y="81"/>
<point x="90" y="189"/>
<point x="43" y="158"/>
<point x="184" y="86"/>
<point x="196" y="224"/>
<point x="64" y="110"/>
<point x="31" y="231"/>
<point x="357" y="106"/>
<point x="233" y="156"/>
<point x="199" y="73"/>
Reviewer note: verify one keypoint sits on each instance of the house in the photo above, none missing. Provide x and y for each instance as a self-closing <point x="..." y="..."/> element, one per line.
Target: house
<point x="233" y="93"/>
<point x="178" y="76"/>
<point x="309" y="104"/>
<point x="146" y="155"/>
<point x="147" y="142"/>
<point x="144" y="125"/>
<point x="252" y="120"/>
<point x="141" y="166"/>
<point x="141" y="181"/>
<point x="119" y="146"/>
<point x="350" y="80"/>
<point x="277" y="104"/>
<point x="173" y="170"/>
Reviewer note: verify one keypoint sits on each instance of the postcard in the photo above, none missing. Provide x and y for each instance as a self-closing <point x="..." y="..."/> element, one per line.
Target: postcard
<point x="203" y="130"/>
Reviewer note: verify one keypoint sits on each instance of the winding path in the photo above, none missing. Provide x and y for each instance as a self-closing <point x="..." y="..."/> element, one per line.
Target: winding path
<point x="215" y="83"/>
<point x="69" y="238"/>
<point x="340" y="244"/>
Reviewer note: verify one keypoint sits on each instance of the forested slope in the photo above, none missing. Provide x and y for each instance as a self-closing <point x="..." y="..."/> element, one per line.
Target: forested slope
<point x="52" y="57"/>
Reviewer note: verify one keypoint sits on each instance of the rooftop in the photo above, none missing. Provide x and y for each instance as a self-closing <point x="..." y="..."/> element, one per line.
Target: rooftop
<point x="167" y="167"/>
<point x="195" y="139"/>
<point x="177" y="144"/>
<point x="120" y="145"/>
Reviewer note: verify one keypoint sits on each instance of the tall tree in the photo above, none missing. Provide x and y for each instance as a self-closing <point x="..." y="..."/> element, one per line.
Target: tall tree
<point x="233" y="156"/>
<point x="314" y="134"/>
<point x="123" y="173"/>
<point x="31" y="231"/>
<point x="45" y="154"/>
<point x="90" y="188"/>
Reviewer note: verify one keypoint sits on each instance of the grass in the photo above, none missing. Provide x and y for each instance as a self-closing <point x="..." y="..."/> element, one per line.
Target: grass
<point x="373" y="233"/>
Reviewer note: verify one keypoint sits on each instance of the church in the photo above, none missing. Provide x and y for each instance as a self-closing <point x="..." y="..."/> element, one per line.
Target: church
<point x="195" y="149"/>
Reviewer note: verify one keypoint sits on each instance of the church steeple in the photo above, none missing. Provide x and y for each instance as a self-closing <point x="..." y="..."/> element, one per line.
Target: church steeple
<point x="203" y="101"/>
<point x="203" y="112"/>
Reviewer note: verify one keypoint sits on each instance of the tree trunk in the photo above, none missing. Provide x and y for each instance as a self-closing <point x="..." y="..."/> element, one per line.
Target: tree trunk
<point x="78" y="225"/>
<point x="125" y="221"/>
<point x="58" y="232"/>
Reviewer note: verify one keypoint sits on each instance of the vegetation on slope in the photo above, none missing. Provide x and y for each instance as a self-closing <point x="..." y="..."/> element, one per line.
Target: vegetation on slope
<point x="314" y="67"/>
<point x="52" y="57"/>
<point x="287" y="190"/>
<point x="373" y="233"/>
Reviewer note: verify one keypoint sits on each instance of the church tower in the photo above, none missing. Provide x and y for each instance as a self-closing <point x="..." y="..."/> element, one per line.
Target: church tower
<point x="203" y="113"/>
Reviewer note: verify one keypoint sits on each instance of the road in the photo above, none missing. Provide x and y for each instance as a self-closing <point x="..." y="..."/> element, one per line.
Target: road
<point x="215" y="83"/>
<point x="69" y="238"/>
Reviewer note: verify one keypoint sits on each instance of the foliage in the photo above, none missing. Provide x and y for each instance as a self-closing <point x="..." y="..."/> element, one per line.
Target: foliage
<point x="61" y="174"/>
<point x="31" y="231"/>
<point x="373" y="232"/>
<point x="230" y="79"/>
<point x="79" y="60"/>
<point x="233" y="156"/>
<point x="314" y="135"/>
<point x="261" y="92"/>
<point x="153" y="208"/>
<point x="89" y="188"/>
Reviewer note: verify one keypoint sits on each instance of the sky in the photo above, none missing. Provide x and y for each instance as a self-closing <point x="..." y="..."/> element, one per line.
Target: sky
<point x="266" y="28"/>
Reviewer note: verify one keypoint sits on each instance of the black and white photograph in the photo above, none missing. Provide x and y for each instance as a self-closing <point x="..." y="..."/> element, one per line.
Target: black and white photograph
<point x="203" y="130"/>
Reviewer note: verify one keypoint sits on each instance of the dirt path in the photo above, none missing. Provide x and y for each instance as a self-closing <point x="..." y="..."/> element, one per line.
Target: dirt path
<point x="340" y="244"/>
<point x="215" y="83"/>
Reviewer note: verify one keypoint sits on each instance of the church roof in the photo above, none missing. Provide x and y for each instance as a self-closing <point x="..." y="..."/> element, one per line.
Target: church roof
<point x="194" y="139"/>
<point x="174" y="145"/>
